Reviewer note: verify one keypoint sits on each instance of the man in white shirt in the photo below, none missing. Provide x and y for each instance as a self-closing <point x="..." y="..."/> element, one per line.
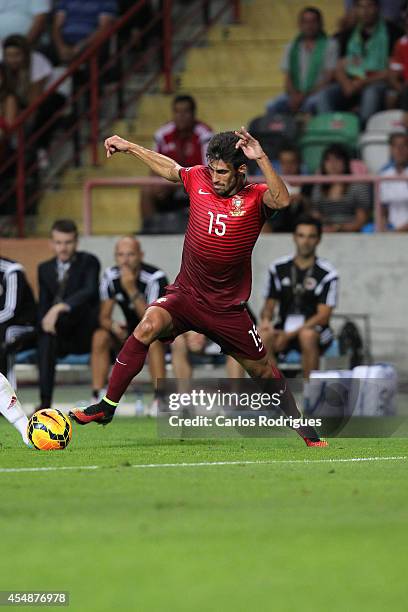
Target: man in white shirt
<point x="394" y="194"/>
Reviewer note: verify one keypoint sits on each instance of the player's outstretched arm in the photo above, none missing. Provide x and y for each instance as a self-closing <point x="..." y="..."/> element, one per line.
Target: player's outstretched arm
<point x="277" y="195"/>
<point x="158" y="163"/>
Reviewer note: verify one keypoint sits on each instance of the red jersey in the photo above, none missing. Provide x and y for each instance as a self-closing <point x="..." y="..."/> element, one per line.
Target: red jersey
<point x="220" y="237"/>
<point x="186" y="151"/>
<point x="399" y="58"/>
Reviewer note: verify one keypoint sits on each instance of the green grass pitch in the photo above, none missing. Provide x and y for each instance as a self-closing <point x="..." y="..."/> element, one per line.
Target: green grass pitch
<point x="287" y="535"/>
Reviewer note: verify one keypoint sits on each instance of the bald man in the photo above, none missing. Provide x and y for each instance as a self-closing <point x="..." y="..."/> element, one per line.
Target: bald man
<point x="132" y="285"/>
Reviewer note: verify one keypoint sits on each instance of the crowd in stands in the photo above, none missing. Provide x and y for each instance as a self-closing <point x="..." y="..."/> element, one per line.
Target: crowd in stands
<point x="361" y="70"/>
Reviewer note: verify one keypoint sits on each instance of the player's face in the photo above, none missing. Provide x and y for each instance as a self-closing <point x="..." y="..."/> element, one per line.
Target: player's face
<point x="306" y="240"/>
<point x="183" y="116"/>
<point x="367" y="12"/>
<point x="225" y="178"/>
<point x="64" y="245"/>
<point x="128" y="254"/>
<point x="399" y="150"/>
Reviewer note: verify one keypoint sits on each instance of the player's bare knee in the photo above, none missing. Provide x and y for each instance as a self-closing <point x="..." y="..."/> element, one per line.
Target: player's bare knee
<point x="147" y="331"/>
<point x="260" y="368"/>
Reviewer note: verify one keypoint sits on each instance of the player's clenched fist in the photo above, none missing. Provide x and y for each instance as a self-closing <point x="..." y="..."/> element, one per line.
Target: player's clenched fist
<point x="115" y="144"/>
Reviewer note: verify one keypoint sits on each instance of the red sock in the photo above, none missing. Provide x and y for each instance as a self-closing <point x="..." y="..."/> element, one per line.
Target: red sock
<point x="128" y="363"/>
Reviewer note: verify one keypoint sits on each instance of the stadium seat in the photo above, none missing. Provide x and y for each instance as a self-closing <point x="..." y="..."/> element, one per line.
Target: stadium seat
<point x="292" y="360"/>
<point x="386" y="121"/>
<point x="30" y="357"/>
<point x="324" y="130"/>
<point x="333" y="351"/>
<point x="373" y="142"/>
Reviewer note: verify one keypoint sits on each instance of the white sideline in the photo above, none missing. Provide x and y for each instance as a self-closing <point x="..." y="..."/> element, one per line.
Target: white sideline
<point x="200" y="464"/>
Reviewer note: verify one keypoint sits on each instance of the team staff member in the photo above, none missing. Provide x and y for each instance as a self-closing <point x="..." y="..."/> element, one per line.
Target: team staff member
<point x="132" y="284"/>
<point x="305" y="286"/>
<point x="18" y="313"/>
<point x="69" y="303"/>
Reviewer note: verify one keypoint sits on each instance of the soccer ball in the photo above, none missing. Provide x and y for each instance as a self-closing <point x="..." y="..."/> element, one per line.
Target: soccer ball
<point x="49" y="430"/>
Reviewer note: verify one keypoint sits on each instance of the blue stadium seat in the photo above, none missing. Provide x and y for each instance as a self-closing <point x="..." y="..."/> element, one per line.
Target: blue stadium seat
<point x="30" y="357"/>
<point x="294" y="357"/>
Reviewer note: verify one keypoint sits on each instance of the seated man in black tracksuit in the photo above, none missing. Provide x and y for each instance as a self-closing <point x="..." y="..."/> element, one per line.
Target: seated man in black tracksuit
<point x="18" y="313"/>
<point x="68" y="303"/>
<point x="305" y="286"/>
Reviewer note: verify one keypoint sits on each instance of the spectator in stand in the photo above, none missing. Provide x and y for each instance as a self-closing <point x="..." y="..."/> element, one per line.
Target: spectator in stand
<point x="8" y="101"/>
<point x="341" y="207"/>
<point x="68" y="304"/>
<point x="394" y="194"/>
<point x="134" y="28"/>
<point x="390" y="10"/>
<point x="8" y="111"/>
<point x="25" y="17"/>
<point x="305" y="287"/>
<point x="77" y="24"/>
<point x="18" y="314"/>
<point x="185" y="140"/>
<point x="29" y="73"/>
<point x="290" y="165"/>
<point x="399" y="71"/>
<point x="362" y="71"/>
<point x="132" y="284"/>
<point x="308" y="64"/>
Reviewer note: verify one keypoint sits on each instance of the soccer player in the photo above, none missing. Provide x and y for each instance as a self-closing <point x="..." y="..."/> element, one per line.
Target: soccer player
<point x="11" y="408"/>
<point x="214" y="283"/>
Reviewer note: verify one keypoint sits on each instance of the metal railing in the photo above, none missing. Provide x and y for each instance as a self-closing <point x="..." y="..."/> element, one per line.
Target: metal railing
<point x="140" y="181"/>
<point x="18" y="173"/>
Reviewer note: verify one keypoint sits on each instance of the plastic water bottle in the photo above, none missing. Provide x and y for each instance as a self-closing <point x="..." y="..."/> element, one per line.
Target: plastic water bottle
<point x="139" y="406"/>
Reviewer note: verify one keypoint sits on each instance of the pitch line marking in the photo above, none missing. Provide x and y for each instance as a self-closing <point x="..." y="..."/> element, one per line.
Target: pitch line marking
<point x="201" y="464"/>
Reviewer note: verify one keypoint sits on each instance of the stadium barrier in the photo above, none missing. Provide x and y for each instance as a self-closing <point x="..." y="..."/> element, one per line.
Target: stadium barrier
<point x="143" y="181"/>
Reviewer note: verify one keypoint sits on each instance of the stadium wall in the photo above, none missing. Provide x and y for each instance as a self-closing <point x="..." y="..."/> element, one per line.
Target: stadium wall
<point x="372" y="268"/>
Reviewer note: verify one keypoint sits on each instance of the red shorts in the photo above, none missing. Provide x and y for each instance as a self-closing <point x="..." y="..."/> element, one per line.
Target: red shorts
<point x="234" y="330"/>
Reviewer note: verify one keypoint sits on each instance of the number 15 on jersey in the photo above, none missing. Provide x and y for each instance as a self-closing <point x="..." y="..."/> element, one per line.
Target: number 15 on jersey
<point x="219" y="226"/>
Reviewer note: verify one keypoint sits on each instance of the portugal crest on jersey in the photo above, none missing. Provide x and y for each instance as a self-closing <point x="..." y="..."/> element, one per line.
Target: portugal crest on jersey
<point x="237" y="207"/>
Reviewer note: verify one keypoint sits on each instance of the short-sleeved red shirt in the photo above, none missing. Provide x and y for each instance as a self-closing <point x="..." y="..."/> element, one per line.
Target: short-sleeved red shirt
<point x="220" y="237"/>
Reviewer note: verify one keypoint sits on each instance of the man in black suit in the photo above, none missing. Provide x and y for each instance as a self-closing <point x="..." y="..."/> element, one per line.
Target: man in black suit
<point x="68" y="304"/>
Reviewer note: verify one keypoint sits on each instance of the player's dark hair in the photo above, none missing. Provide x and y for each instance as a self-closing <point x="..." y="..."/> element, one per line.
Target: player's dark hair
<point x="308" y="220"/>
<point x="66" y="226"/>
<point x="222" y="146"/>
<point x="186" y="98"/>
